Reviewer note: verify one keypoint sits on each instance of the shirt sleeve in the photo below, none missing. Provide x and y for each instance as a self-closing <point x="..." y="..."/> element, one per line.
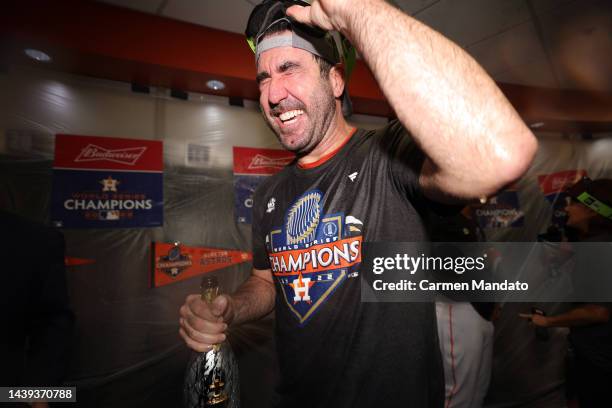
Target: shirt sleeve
<point x="406" y="162"/>
<point x="260" y="254"/>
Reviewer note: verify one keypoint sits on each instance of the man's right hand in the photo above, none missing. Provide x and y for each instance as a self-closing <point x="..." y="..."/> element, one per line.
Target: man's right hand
<point x="203" y="324"/>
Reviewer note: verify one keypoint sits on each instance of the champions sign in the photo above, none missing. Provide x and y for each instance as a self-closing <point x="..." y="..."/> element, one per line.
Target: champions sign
<point x="313" y="253"/>
<point x="501" y="211"/>
<point x="251" y="167"/>
<point x="107" y="182"/>
<point x="176" y="262"/>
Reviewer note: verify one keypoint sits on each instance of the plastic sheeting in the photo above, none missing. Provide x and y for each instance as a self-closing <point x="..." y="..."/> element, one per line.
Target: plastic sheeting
<point x="528" y="372"/>
<point x="128" y="352"/>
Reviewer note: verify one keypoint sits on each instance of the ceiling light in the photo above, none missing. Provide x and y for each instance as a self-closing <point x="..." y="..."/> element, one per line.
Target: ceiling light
<point x="537" y="125"/>
<point x="215" y="85"/>
<point x="37" y="55"/>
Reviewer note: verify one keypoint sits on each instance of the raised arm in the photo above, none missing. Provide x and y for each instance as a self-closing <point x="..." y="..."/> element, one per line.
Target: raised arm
<point x="474" y="139"/>
<point x="203" y="325"/>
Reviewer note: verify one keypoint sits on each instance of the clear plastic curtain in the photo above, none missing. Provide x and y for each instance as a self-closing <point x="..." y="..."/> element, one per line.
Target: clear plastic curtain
<point x="127" y="350"/>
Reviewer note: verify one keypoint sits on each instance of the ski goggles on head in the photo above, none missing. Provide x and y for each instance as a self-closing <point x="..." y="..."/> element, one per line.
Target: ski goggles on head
<point x="270" y="13"/>
<point x="582" y="193"/>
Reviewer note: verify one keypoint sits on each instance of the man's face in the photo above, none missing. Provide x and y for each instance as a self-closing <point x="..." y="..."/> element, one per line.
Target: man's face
<point x="578" y="215"/>
<point x="297" y="103"/>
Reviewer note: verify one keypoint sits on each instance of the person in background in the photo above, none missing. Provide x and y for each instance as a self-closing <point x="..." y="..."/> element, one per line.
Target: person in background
<point x="465" y="329"/>
<point x="589" y="219"/>
<point x="36" y="317"/>
<point x="456" y="138"/>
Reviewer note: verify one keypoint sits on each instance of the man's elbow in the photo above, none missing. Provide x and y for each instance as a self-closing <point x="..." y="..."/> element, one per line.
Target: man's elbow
<point x="511" y="163"/>
<point x="499" y="167"/>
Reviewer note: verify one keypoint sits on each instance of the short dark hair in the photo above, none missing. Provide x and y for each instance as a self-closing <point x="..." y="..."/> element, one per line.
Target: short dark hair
<point x="324" y="65"/>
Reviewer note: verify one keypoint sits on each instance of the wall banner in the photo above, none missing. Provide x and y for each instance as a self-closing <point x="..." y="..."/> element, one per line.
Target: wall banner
<point x="553" y="187"/>
<point x="500" y="211"/>
<point x="176" y="262"/>
<point x="102" y="182"/>
<point x="251" y="167"/>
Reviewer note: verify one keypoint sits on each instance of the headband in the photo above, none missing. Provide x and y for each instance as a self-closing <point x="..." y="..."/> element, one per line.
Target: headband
<point x="323" y="47"/>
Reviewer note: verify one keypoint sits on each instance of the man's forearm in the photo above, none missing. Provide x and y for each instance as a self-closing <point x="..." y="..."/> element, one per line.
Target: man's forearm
<point x="581" y="316"/>
<point x="253" y="300"/>
<point x="475" y="140"/>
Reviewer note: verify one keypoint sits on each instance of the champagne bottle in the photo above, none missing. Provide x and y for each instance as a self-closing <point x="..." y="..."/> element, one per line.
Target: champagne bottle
<point x="212" y="377"/>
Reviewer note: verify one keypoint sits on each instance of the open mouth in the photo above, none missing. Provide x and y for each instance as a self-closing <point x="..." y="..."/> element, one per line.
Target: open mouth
<point x="290" y="116"/>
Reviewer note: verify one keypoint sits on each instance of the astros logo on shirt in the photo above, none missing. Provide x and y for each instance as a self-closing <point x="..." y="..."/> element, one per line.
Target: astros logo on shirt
<point x="313" y="253"/>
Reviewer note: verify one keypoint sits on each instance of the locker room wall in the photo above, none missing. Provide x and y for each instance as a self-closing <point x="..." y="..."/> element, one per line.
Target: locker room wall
<point x="127" y="351"/>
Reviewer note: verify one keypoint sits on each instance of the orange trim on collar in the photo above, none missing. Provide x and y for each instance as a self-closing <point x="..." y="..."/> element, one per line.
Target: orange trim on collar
<point x="328" y="155"/>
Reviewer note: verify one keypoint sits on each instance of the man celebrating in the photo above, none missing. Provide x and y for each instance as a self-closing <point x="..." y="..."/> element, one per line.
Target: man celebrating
<point x="457" y="139"/>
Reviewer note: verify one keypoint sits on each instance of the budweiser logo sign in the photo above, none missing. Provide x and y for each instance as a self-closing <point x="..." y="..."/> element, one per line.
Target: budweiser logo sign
<point x="127" y="156"/>
<point x="261" y="161"/>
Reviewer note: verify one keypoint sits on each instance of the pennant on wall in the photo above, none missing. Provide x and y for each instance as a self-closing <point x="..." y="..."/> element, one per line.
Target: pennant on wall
<point x="103" y="182"/>
<point x="251" y="167"/>
<point x="176" y="262"/>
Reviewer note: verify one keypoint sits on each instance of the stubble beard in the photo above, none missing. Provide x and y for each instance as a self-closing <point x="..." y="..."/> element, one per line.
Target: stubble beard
<point x="320" y="115"/>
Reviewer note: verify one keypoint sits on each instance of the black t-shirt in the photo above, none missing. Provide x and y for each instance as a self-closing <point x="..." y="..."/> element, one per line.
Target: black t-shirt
<point x="594" y="342"/>
<point x="308" y="228"/>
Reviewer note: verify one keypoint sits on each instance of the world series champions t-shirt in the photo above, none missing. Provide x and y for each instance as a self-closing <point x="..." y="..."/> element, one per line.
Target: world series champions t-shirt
<point x="309" y="225"/>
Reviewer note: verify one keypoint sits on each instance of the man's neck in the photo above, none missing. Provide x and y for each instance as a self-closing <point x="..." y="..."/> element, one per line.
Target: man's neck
<point x="335" y="136"/>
